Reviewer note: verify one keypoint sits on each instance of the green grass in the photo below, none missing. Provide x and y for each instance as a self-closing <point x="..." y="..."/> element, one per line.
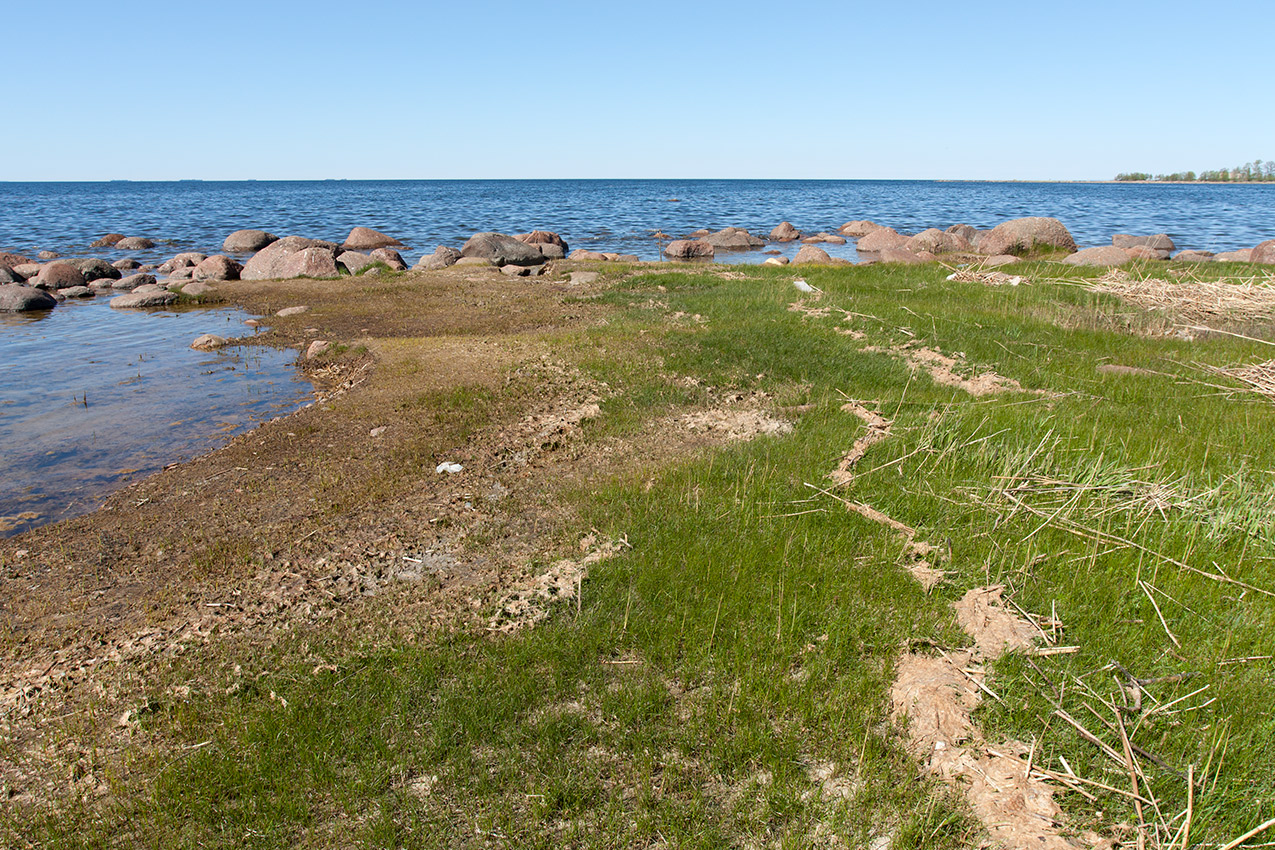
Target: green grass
<point x="747" y="639"/>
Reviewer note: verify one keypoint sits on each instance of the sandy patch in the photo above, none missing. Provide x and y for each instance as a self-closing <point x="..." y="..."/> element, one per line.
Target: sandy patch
<point x="528" y="602"/>
<point x="878" y="429"/>
<point x="947" y="370"/>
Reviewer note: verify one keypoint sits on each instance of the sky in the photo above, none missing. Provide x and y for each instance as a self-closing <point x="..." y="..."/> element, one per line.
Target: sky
<point x="379" y="89"/>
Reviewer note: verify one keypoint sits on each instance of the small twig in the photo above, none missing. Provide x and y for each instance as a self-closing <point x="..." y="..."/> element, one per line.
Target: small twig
<point x="1159" y="614"/>
<point x="1252" y="832"/>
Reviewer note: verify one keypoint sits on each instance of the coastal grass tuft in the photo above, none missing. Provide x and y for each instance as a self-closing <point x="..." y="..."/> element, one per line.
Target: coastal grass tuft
<point x="724" y="680"/>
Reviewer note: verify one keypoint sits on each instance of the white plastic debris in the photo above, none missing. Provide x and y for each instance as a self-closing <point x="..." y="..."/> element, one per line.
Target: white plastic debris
<point x="448" y="467"/>
<point x="802" y="286"/>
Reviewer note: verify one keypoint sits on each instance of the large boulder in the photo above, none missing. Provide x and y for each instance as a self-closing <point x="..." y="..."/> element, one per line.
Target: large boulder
<point x="59" y="275"/>
<point x="809" y="254"/>
<point x="245" y="241"/>
<point x="734" y="239"/>
<point x="1103" y="255"/>
<point x="94" y="268"/>
<point x="1021" y="235"/>
<point x="1158" y="242"/>
<point x="291" y="256"/>
<point x="16" y="298"/>
<point x="217" y="267"/>
<point x="501" y="249"/>
<point x="881" y="239"/>
<point x="354" y="261"/>
<point x="859" y="228"/>
<point x="389" y="257"/>
<point x="365" y="239"/>
<point x="134" y="243"/>
<point x="964" y="231"/>
<point x="785" y="232"/>
<point x="689" y="249"/>
<point x="1263" y="253"/>
<point x="107" y="241"/>
<point x="442" y="257"/>
<point x="936" y="241"/>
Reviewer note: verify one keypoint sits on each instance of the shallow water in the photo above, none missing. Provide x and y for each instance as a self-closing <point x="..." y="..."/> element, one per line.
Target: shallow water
<point x="92" y="398"/>
<point x="609" y="215"/>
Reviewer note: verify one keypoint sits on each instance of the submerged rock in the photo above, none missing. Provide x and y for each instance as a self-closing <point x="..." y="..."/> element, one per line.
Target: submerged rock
<point x="134" y="243"/>
<point x="143" y="297"/>
<point x="734" y="239"/>
<point x="18" y="298"/>
<point x="107" y="241"/>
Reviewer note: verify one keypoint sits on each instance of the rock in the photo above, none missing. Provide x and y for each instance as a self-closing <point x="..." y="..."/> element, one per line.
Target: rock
<point x="196" y="288"/>
<point x="27" y="270"/>
<point x="186" y="273"/>
<point x="291" y="256"/>
<point x="784" y="232"/>
<point x="936" y="241"/>
<point x="127" y="284"/>
<point x="810" y="254"/>
<point x="858" y="228"/>
<point x="59" y="275"/>
<point x="17" y="298"/>
<point x="96" y="269"/>
<point x="580" y="278"/>
<point x="620" y="258"/>
<point x="208" y="342"/>
<point x="389" y="257"/>
<point x="881" y="239"/>
<point x="699" y="234"/>
<point x="126" y="265"/>
<point x="823" y="236"/>
<point x="365" y="239"/>
<point x="188" y="259"/>
<point x="48" y="255"/>
<point x="107" y="241"/>
<point x="1240" y="256"/>
<point x="244" y="241"/>
<point x="1263" y="253"/>
<point x="292" y="311"/>
<point x="12" y="260"/>
<point x="733" y="239"/>
<point x="1021" y="235"/>
<point x="775" y="261"/>
<point x="542" y="238"/>
<point x="474" y="261"/>
<point x="1103" y="255"/>
<point x="146" y="298"/>
<point x="8" y="275"/>
<point x="501" y="250"/>
<point x="1145" y="252"/>
<point x="442" y="257"/>
<point x="318" y="348"/>
<point x="217" y="267"/>
<point x="1159" y="242"/>
<point x="134" y="243"/>
<point x="689" y="249"/>
<point x="904" y="256"/>
<point x="354" y="261"/>
<point x="550" y="251"/>
<point x="1193" y="256"/>
<point x="78" y="292"/>
<point x="998" y="261"/>
<point x="515" y="271"/>
<point x="583" y="254"/>
<point x="964" y="231"/>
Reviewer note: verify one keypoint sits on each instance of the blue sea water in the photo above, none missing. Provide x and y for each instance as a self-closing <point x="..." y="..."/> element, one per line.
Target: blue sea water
<point x="151" y="400"/>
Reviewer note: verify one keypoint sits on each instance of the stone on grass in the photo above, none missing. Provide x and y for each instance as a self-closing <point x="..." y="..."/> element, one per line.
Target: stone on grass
<point x="1159" y="241"/>
<point x="289" y="257"/>
<point x="1264" y="253"/>
<point x="1021" y="235"/>
<point x="809" y="254"/>
<point x="500" y="249"/>
<point x="775" y="261"/>
<point x="689" y="249"/>
<point x="292" y="311"/>
<point x="1241" y="256"/>
<point x="244" y="241"/>
<point x="1102" y="255"/>
<point x="354" y="261"/>
<point x="475" y="261"/>
<point x="1193" y="256"/>
<point x="389" y="257"/>
<point x="585" y="254"/>
<point x="998" y="261"/>
<point x="442" y="257"/>
<point x="365" y="239"/>
<point x="18" y="298"/>
<point x="318" y="348"/>
<point x="903" y="256"/>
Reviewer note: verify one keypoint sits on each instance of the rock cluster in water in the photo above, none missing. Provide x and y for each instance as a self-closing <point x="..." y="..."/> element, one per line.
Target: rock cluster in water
<point x="28" y="284"/>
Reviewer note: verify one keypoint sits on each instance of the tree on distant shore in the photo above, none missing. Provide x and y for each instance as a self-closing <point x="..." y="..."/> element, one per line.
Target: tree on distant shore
<point x="1256" y="171"/>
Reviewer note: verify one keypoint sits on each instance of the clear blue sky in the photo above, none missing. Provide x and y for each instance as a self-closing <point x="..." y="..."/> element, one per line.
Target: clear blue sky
<point x="164" y="89"/>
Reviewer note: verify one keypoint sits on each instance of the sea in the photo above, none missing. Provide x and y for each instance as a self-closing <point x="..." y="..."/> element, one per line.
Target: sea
<point x="92" y="398"/>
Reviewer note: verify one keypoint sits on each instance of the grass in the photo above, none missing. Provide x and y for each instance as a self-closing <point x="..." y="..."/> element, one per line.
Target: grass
<point x="725" y="681"/>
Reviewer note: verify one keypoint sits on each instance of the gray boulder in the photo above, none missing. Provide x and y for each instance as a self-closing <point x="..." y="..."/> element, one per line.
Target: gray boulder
<point x="1102" y="255"/>
<point x="1146" y="252"/>
<point x="16" y="298"/>
<point x="541" y="238"/>
<point x="501" y="250"/>
<point x="78" y="292"/>
<point x="904" y="256"/>
<point x="1021" y="235"/>
<point x="824" y="236"/>
<point x="245" y="241"/>
<point x="96" y="269"/>
<point x="48" y="255"/>
<point x="187" y="259"/>
<point x="1158" y="242"/>
<point x="442" y="257"/>
<point x="688" y="249"/>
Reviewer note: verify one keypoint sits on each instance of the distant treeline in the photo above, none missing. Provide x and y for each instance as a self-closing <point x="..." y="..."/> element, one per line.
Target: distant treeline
<point x="1250" y="172"/>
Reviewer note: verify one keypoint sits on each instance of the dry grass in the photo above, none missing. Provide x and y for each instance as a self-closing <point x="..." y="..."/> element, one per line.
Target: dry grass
<point x="1245" y="300"/>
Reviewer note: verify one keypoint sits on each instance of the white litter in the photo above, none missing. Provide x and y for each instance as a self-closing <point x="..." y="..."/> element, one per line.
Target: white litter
<point x="802" y="286"/>
<point x="448" y="467"/>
